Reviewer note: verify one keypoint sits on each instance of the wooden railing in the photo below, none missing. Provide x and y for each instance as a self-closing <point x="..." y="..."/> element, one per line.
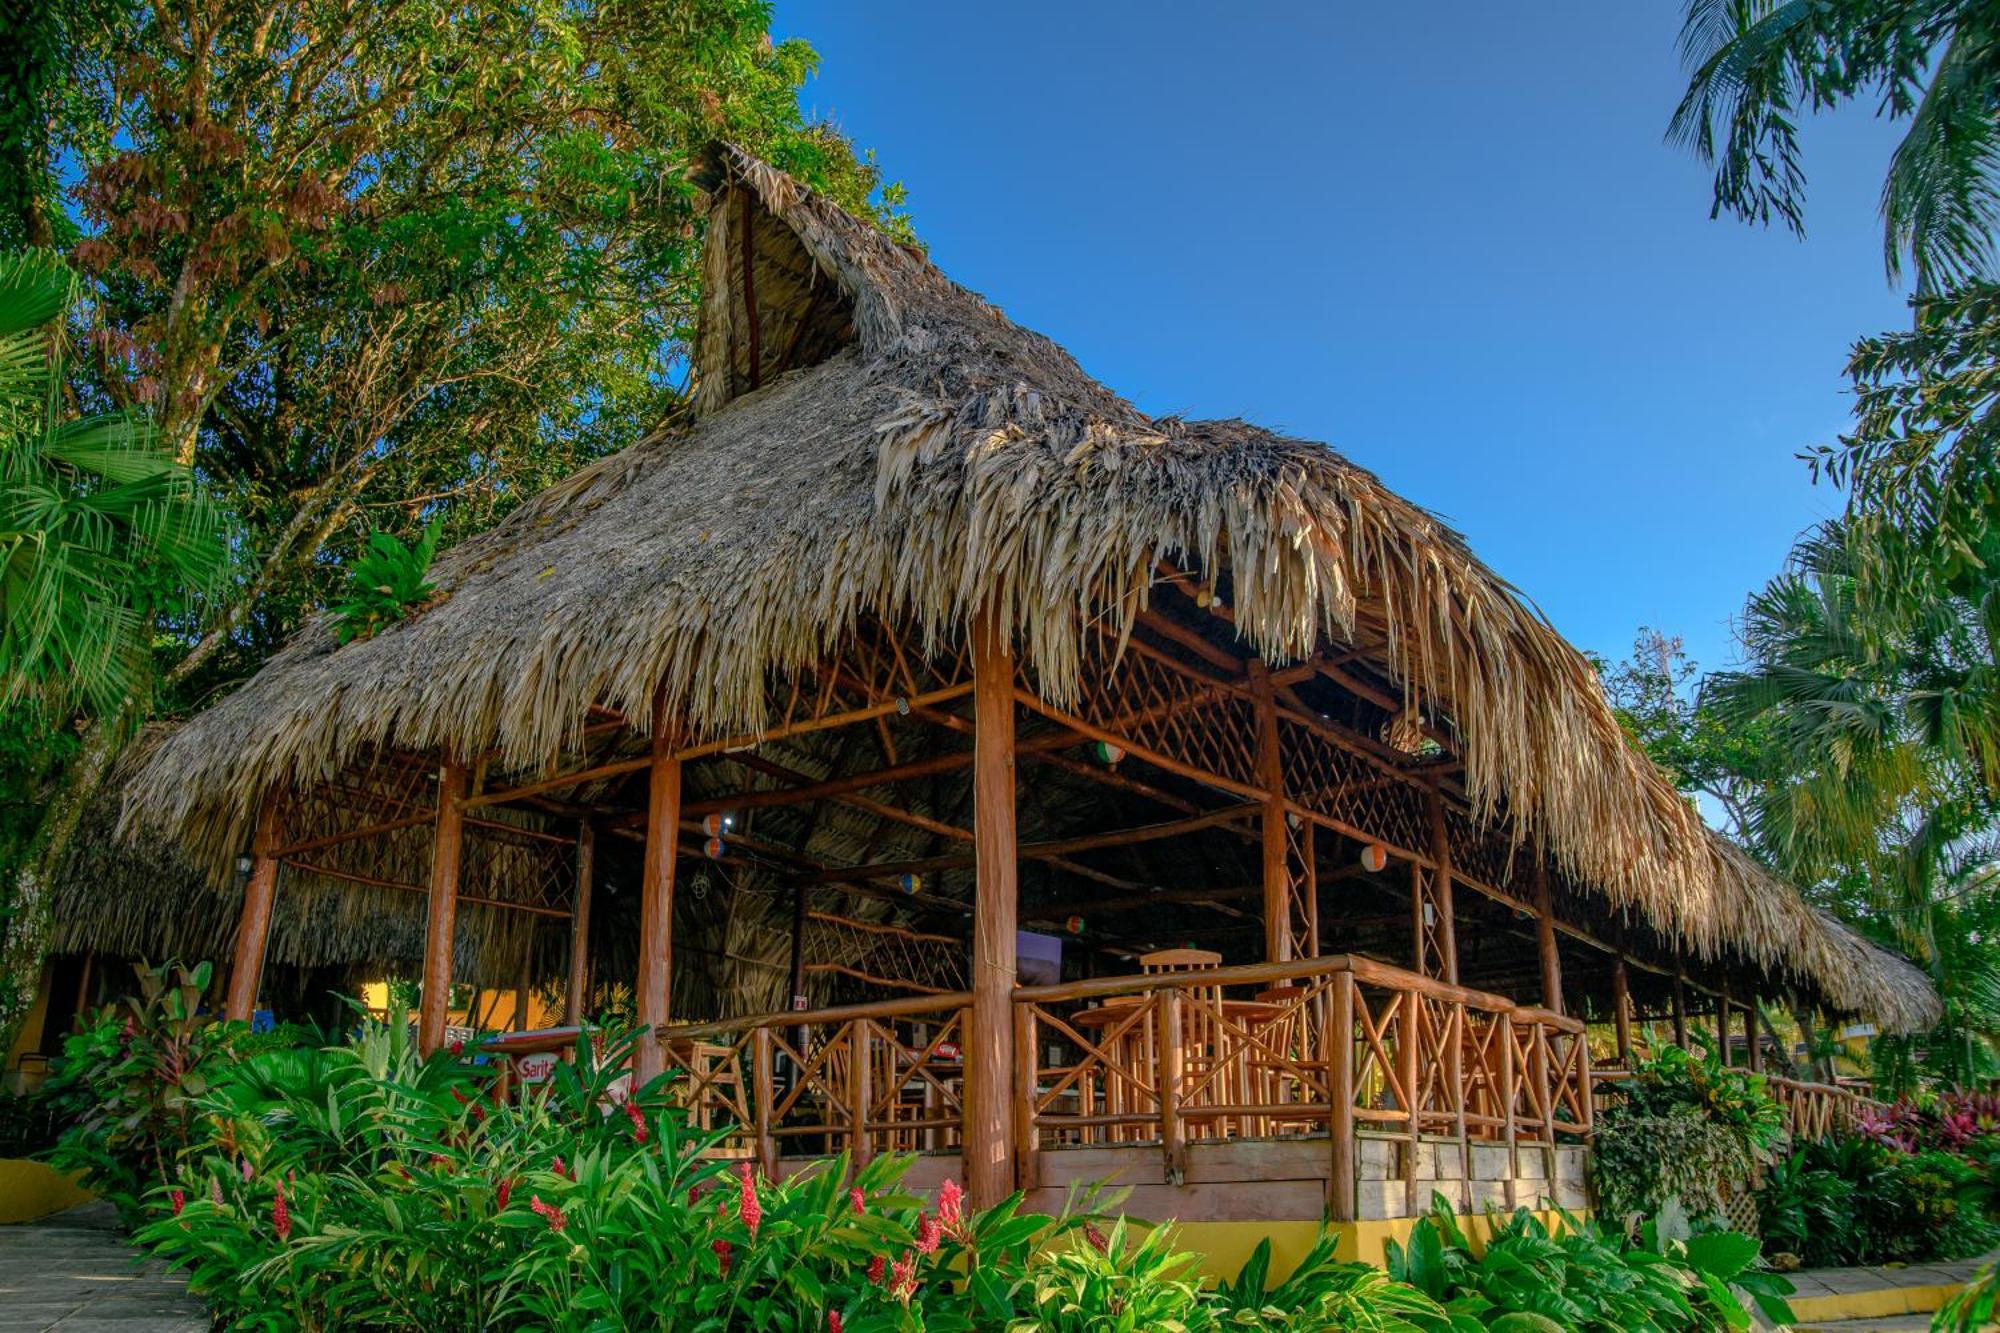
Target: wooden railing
<point x="1326" y="1045"/>
<point x="1812" y="1110"/>
<point x="1820" y="1110"/>
<point x="1314" y="1046"/>
<point x="860" y="1079"/>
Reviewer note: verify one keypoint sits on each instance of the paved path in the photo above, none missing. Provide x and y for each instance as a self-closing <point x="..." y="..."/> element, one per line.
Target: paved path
<point x="75" y="1272"/>
<point x="1877" y="1300"/>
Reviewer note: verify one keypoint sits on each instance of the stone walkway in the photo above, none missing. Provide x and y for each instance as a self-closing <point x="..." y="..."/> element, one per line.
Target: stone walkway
<point x="75" y="1272"/>
<point x="1877" y="1300"/>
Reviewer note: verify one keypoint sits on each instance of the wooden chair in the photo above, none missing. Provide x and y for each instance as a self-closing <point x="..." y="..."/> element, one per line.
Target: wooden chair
<point x="1202" y="1038"/>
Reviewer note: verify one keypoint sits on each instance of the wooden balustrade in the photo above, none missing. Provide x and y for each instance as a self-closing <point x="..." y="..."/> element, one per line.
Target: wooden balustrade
<point x="1307" y="1046"/>
<point x="1812" y="1110"/>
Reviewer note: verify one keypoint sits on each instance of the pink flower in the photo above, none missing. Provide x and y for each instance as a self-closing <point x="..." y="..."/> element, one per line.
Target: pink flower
<point x="215" y="1191"/>
<point x="951" y="1206"/>
<point x="244" y="1164"/>
<point x="928" y="1233"/>
<point x="559" y="1168"/>
<point x="858" y="1199"/>
<point x="1095" y="1237"/>
<point x="747" y="1205"/>
<point x="456" y="1048"/>
<point x="723" y="1253"/>
<point x="833" y="1321"/>
<point x="638" y="1119"/>
<point x="903" y="1278"/>
<point x="877" y="1267"/>
<point x="554" y="1215"/>
<point x="281" y="1216"/>
<point x="178" y="1198"/>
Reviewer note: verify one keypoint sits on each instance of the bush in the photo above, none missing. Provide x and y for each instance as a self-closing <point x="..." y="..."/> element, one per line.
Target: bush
<point x="1581" y="1278"/>
<point x="1686" y="1125"/>
<point x="1859" y="1201"/>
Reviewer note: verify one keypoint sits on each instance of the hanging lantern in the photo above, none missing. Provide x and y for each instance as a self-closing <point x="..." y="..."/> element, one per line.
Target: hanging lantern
<point x="714" y="825"/>
<point x="1107" y="753"/>
<point x="714" y="848"/>
<point x="1373" y="857"/>
<point x="1074" y="925"/>
<point x="910" y="883"/>
<point x="1405" y="732"/>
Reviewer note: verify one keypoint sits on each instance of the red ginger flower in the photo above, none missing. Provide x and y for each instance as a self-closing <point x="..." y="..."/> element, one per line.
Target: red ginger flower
<point x="928" y="1233"/>
<point x="951" y="1206"/>
<point x="723" y="1253"/>
<point x="903" y="1277"/>
<point x="549" y="1211"/>
<point x="1095" y="1237"/>
<point x="833" y="1321"/>
<point x="501" y="1194"/>
<point x="281" y="1216"/>
<point x="877" y="1267"/>
<point x="215" y="1191"/>
<point x="747" y="1205"/>
<point x="178" y="1198"/>
<point x="858" y="1199"/>
<point x="638" y="1118"/>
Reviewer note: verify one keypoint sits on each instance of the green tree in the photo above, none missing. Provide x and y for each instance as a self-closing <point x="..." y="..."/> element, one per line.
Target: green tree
<point x="101" y="532"/>
<point x="1757" y="67"/>
<point x="377" y="267"/>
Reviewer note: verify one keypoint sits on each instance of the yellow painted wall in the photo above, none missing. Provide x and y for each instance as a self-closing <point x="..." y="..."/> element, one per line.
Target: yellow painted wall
<point x="29" y="1190"/>
<point x="1224" y="1246"/>
<point x="498" y="1008"/>
<point x="29" y="1038"/>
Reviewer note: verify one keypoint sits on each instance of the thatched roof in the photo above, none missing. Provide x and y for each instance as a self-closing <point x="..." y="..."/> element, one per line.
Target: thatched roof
<point x="877" y="443"/>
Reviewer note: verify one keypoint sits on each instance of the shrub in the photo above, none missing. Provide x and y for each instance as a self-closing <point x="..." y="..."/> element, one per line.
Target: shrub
<point x="1685" y="1125"/>
<point x="385" y="583"/>
<point x="1579" y="1277"/>
<point x="1857" y="1200"/>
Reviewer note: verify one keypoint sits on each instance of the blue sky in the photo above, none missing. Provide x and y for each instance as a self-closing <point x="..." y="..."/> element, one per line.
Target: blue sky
<point x="1447" y="239"/>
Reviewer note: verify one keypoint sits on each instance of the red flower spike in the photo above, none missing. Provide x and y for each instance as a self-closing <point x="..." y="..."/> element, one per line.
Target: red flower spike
<point x="501" y="1195"/>
<point x="215" y="1191"/>
<point x="638" y="1118"/>
<point x="723" y="1253"/>
<point x="858" y="1199"/>
<point x="929" y="1231"/>
<point x="1095" y="1237"/>
<point x="559" y="1168"/>
<point x="549" y="1212"/>
<point x="903" y="1278"/>
<point x="747" y="1206"/>
<point x="281" y="1216"/>
<point x="178" y="1198"/>
<point x="833" y="1321"/>
<point x="951" y="1206"/>
<point x="877" y="1267"/>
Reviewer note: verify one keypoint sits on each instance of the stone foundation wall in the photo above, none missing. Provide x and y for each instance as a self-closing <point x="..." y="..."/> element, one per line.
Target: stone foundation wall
<point x="1529" y="1175"/>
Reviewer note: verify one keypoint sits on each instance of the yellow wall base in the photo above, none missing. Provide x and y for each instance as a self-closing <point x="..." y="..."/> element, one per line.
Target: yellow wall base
<point x="31" y="1190"/>
<point x="1224" y="1246"/>
<point x="1883" y="1303"/>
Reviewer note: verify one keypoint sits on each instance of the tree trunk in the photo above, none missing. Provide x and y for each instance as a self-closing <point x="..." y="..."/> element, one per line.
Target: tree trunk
<point x="31" y="909"/>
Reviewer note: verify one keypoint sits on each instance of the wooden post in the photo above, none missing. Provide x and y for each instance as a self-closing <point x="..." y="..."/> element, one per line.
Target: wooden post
<point x="1510" y="1077"/>
<point x="1338" y="1041"/>
<point x="1722" y="1021"/>
<point x="1753" y="1053"/>
<point x="1410" y="1041"/>
<point x="1545" y="936"/>
<point x="1680" y="1010"/>
<point x="1168" y="1061"/>
<point x="860" y="1060"/>
<point x="798" y="968"/>
<point x="1027" y="1138"/>
<point x="576" y="1005"/>
<point x="253" y="928"/>
<point x="1271" y="779"/>
<point x="1621" y="1008"/>
<point x="441" y="928"/>
<point x="656" y="891"/>
<point x="763" y="1091"/>
<point x="989" y="1150"/>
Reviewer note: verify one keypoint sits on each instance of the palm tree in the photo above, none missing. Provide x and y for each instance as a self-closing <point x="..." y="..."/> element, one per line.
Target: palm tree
<point x="1757" y="66"/>
<point x="100" y="528"/>
<point x="101" y="532"/>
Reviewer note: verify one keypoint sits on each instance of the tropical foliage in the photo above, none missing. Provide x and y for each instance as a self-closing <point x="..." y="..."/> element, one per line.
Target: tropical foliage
<point x="352" y="1185"/>
<point x="1684" y="1129"/>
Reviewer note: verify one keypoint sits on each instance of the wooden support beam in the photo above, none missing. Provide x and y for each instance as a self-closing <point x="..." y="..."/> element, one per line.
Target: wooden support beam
<point x="1271" y="777"/>
<point x="1753" y="1044"/>
<point x="1621" y="1009"/>
<point x="577" y="995"/>
<point x="1545" y="935"/>
<point x="253" y="927"/>
<point x="1441" y="889"/>
<point x="1680" y="1011"/>
<point x="656" y="891"/>
<point x="441" y="924"/>
<point x="989" y="1149"/>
